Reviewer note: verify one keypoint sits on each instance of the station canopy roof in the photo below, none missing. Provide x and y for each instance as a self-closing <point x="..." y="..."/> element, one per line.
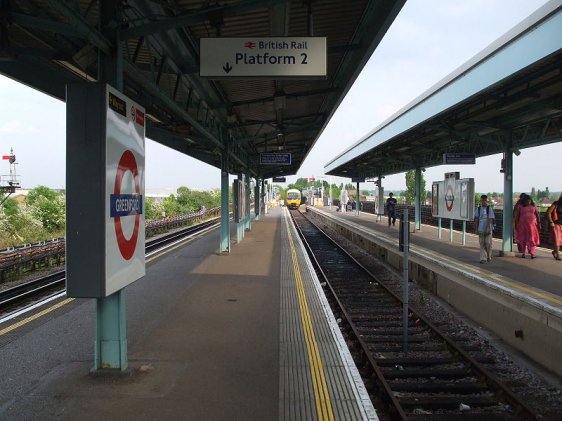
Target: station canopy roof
<point x="47" y="44"/>
<point x="506" y="98"/>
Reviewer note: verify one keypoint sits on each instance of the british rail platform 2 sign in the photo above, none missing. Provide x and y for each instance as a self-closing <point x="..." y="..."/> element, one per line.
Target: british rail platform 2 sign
<point x="273" y="57"/>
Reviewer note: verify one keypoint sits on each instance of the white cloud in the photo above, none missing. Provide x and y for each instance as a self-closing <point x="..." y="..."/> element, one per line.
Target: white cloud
<point x="16" y="126"/>
<point x="428" y="41"/>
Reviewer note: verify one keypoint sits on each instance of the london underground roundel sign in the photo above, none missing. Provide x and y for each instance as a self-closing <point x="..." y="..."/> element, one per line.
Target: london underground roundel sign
<point x="126" y="205"/>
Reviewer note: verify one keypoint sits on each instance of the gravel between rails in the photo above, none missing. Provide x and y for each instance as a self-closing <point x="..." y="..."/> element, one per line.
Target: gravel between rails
<point x="540" y="389"/>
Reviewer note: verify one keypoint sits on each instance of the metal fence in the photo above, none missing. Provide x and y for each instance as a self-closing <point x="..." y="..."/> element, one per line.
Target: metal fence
<point x="17" y="261"/>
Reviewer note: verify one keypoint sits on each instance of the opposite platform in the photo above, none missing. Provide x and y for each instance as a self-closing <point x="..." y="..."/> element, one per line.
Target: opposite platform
<point x="517" y="299"/>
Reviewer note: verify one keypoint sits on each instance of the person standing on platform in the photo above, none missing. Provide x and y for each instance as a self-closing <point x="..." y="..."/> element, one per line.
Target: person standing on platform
<point x="527" y="226"/>
<point x="484" y="226"/>
<point x="515" y="207"/>
<point x="554" y="216"/>
<point x="391" y="209"/>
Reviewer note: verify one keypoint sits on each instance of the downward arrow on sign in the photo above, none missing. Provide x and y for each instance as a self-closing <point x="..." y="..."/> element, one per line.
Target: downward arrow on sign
<point x="227" y="67"/>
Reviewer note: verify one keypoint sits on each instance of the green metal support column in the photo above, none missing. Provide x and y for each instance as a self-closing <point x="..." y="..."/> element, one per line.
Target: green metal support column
<point x="225" y="217"/>
<point x="111" y="332"/>
<point x="417" y="203"/>
<point x="264" y="196"/>
<point x="225" y="209"/>
<point x="507" y="243"/>
<point x="248" y="209"/>
<point x="110" y="348"/>
<point x="257" y="201"/>
<point x="240" y="223"/>
<point x="357" y="201"/>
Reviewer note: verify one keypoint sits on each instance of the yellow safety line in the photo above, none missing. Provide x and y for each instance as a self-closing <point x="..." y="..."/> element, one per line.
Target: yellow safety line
<point x="68" y="300"/>
<point x="323" y="402"/>
<point x="34" y="317"/>
<point x="516" y="286"/>
<point x="513" y="285"/>
<point x="528" y="290"/>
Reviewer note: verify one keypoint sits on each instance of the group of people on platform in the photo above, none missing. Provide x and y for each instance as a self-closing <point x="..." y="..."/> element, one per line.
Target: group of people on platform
<point x="526" y="226"/>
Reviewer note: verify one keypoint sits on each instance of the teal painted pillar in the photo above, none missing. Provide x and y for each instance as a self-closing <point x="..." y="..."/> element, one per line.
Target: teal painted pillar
<point x="248" y="206"/>
<point x="111" y="332"/>
<point x="417" y="204"/>
<point x="110" y="346"/>
<point x="264" y="196"/>
<point x="257" y="201"/>
<point x="225" y="217"/>
<point x="507" y="236"/>
<point x="357" y="201"/>
<point x="240" y="223"/>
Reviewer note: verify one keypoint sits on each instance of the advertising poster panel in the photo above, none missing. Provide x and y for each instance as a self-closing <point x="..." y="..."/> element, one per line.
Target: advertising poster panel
<point x="453" y="198"/>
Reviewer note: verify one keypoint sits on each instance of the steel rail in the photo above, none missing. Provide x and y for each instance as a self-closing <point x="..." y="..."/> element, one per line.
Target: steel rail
<point x="28" y="290"/>
<point x="520" y="408"/>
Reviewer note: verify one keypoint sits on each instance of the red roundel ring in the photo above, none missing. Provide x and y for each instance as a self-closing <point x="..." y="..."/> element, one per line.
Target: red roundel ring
<point x="127" y="163"/>
<point x="449" y="204"/>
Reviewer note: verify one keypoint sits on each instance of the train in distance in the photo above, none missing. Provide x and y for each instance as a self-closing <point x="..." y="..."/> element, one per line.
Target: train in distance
<point x="312" y="196"/>
<point x="293" y="198"/>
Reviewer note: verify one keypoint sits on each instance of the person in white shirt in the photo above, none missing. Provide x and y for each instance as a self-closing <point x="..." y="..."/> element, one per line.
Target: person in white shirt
<point x="484" y="226"/>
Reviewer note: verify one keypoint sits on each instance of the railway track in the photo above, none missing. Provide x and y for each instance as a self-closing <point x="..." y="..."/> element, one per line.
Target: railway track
<point x="435" y="377"/>
<point x="55" y="283"/>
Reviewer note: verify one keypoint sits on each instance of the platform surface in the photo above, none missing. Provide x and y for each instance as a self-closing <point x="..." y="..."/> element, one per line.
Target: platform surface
<point x="542" y="274"/>
<point x="210" y="337"/>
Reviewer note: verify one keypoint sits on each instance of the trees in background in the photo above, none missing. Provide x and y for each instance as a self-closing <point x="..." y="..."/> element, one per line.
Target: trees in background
<point x="303" y="183"/>
<point x="410" y="193"/>
<point x="185" y="201"/>
<point x="42" y="214"/>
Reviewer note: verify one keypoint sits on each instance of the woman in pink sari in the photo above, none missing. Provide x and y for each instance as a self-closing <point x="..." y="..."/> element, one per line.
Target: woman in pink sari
<point x="527" y="226"/>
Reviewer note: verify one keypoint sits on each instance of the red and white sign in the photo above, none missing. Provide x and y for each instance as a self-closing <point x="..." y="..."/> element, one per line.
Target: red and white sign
<point x="124" y="187"/>
<point x="127" y="245"/>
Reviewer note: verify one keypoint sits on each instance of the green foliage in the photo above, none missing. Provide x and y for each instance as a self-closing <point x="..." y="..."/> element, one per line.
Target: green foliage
<point x="170" y="206"/>
<point x="43" y="214"/>
<point x="190" y="201"/>
<point x="48" y="206"/>
<point x="153" y="209"/>
<point x="40" y="193"/>
<point x="21" y="227"/>
<point x="410" y="193"/>
<point x="40" y="217"/>
<point x="300" y="184"/>
<point x="336" y="192"/>
<point x="10" y="206"/>
<point x="187" y="201"/>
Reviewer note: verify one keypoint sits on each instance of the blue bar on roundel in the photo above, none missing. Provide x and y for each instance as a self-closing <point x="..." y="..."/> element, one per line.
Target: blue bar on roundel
<point x="125" y="205"/>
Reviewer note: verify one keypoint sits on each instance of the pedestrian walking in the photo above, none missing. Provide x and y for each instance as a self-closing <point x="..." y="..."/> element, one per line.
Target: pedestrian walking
<point x="391" y="209"/>
<point x="527" y="226"/>
<point x="554" y="217"/>
<point x="484" y="226"/>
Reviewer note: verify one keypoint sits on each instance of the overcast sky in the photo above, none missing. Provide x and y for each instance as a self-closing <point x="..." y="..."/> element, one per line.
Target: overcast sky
<point x="427" y="41"/>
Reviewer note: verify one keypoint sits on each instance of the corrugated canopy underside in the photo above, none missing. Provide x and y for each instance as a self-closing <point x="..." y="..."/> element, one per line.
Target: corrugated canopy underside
<point x="48" y="44"/>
